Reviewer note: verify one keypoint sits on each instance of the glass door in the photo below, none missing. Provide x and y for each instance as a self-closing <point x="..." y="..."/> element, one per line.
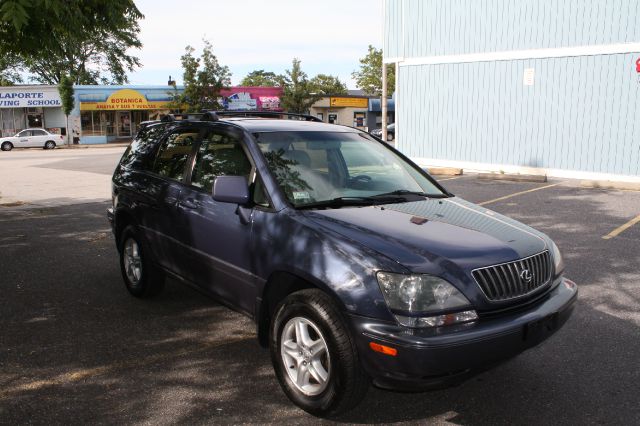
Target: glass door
<point x="124" y="124"/>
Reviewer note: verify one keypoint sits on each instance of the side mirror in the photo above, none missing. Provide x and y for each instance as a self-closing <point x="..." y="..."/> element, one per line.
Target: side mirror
<point x="231" y="189"/>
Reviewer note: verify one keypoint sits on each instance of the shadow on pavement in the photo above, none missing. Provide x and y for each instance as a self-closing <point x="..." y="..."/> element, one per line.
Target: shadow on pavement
<point x="76" y="348"/>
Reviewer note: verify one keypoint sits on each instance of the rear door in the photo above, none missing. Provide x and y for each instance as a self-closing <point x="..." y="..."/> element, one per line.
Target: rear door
<point x="163" y="223"/>
<point x="219" y="234"/>
<point x="39" y="138"/>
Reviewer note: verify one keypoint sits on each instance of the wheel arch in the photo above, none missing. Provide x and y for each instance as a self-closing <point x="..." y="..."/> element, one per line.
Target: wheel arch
<point x="280" y="285"/>
<point x="122" y="219"/>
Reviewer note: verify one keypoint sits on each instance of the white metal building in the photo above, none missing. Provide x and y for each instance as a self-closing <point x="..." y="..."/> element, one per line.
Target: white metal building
<point x="519" y="86"/>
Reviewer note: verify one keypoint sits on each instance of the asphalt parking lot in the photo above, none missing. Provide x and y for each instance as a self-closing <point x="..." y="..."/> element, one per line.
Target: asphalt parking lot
<point x="76" y="348"/>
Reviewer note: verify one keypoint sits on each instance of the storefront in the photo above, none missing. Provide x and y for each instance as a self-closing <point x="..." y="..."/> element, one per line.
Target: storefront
<point x="344" y="110"/>
<point x="23" y="107"/>
<point x="113" y="113"/>
<point x="374" y="119"/>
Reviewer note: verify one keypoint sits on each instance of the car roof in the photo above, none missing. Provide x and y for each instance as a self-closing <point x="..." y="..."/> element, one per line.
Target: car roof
<point x="34" y="128"/>
<point x="256" y="125"/>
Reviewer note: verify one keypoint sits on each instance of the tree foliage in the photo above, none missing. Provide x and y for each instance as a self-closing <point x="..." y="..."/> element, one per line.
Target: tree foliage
<point x="262" y="78"/>
<point x="65" y="89"/>
<point x="9" y="74"/>
<point x="328" y="85"/>
<point x="203" y="78"/>
<point x="297" y="96"/>
<point x="86" y="40"/>
<point x="369" y="77"/>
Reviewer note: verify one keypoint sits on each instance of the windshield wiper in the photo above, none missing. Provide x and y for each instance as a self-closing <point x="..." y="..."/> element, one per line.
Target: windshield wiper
<point x="401" y="192"/>
<point x="349" y="201"/>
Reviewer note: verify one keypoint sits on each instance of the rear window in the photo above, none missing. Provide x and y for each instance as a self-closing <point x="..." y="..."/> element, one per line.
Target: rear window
<point x="140" y="154"/>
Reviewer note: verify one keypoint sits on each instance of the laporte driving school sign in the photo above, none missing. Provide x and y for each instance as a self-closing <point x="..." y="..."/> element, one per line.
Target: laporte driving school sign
<point x="25" y="98"/>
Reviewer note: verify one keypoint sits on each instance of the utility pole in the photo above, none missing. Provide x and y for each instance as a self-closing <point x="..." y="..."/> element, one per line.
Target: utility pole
<point x="383" y="101"/>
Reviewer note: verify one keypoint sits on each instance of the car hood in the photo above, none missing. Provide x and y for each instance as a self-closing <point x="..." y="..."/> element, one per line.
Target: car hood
<point x="427" y="236"/>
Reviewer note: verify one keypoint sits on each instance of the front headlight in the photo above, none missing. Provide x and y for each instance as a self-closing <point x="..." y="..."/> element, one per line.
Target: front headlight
<point x="558" y="263"/>
<point x="413" y="297"/>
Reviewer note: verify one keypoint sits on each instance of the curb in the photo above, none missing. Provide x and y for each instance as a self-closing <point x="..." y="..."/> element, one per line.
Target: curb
<point x="513" y="177"/>
<point x="609" y="184"/>
<point x="443" y="171"/>
<point x="99" y="146"/>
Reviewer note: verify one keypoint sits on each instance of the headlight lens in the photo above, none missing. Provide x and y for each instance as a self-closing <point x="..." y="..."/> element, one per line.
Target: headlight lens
<point x="558" y="263"/>
<point x="419" y="293"/>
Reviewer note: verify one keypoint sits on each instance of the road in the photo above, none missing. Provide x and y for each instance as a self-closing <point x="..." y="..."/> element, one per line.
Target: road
<point x="37" y="178"/>
<point x="76" y="348"/>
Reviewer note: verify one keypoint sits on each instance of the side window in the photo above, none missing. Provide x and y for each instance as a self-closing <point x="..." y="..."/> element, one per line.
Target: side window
<point x="38" y="133"/>
<point x="174" y="152"/>
<point x="219" y="154"/>
<point x="139" y="155"/>
<point x="24" y="133"/>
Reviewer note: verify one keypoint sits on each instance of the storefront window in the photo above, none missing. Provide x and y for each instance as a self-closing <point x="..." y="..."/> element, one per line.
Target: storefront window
<point x="98" y="123"/>
<point x="12" y="120"/>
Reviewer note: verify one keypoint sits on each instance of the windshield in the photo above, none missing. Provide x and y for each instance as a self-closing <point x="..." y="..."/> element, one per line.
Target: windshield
<point x="316" y="167"/>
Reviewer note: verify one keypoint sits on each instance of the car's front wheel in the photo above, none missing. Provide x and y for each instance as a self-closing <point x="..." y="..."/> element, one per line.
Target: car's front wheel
<point x="314" y="355"/>
<point x="140" y="275"/>
<point x="6" y="146"/>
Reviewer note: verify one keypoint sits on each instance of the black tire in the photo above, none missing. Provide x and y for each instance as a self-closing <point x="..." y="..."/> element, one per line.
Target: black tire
<point x="6" y="146"/>
<point x="347" y="383"/>
<point x="150" y="280"/>
<point x="49" y="145"/>
<point x="390" y="137"/>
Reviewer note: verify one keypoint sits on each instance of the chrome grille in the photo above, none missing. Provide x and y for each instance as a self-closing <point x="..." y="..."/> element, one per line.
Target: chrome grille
<point x="511" y="280"/>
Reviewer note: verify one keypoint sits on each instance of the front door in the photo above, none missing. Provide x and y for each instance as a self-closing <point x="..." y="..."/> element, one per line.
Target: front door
<point x="124" y="124"/>
<point x="219" y="234"/>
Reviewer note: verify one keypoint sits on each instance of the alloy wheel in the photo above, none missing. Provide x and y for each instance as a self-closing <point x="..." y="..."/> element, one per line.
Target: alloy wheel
<point x="132" y="261"/>
<point x="305" y="355"/>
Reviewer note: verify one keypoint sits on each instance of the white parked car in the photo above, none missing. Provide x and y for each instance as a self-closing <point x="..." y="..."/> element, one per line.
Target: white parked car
<point x="30" y="138"/>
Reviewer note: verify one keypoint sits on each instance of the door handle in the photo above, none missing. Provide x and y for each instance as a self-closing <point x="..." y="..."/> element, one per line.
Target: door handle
<point x="189" y="203"/>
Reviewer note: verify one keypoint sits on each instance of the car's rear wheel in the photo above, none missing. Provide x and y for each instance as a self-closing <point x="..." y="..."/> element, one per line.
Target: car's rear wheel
<point x="6" y="146"/>
<point x="49" y="145"/>
<point x="140" y="275"/>
<point x="390" y="137"/>
<point x="314" y="355"/>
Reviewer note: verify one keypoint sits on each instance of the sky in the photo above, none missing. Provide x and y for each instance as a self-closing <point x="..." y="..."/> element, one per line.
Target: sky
<point x="328" y="36"/>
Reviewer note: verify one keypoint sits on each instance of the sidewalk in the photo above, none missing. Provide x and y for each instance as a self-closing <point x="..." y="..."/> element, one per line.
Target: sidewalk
<point x="101" y="145"/>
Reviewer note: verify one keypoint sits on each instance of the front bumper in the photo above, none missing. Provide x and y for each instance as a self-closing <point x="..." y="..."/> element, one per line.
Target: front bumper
<point x="432" y="358"/>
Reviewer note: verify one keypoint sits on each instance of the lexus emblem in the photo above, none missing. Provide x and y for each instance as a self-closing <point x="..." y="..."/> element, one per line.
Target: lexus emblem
<point x="526" y="276"/>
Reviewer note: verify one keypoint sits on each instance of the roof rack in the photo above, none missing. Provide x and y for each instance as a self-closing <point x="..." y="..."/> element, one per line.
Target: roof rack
<point x="266" y="114"/>
<point x="200" y="116"/>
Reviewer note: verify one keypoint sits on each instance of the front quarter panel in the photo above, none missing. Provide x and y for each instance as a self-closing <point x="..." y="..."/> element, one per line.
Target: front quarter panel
<point x="287" y="241"/>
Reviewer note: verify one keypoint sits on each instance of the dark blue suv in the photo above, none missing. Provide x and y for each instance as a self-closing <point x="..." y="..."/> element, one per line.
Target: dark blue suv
<point x="355" y="264"/>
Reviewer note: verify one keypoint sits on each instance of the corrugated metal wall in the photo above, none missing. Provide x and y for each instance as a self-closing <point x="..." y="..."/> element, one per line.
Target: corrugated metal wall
<point x="445" y="27"/>
<point x="582" y="113"/>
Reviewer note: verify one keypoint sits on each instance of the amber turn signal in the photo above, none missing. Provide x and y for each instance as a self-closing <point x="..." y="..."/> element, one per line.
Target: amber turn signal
<point x="383" y="349"/>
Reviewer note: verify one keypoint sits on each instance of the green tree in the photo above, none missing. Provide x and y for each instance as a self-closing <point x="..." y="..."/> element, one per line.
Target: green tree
<point x="328" y="85"/>
<point x="203" y="78"/>
<point x="87" y="40"/>
<point x="262" y="78"/>
<point x="298" y="93"/>
<point x="65" y="89"/>
<point x="9" y="74"/>
<point x="369" y="77"/>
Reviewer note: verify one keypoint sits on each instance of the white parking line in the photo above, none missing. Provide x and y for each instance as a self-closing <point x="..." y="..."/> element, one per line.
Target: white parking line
<point x="519" y="193"/>
<point x="620" y="229"/>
